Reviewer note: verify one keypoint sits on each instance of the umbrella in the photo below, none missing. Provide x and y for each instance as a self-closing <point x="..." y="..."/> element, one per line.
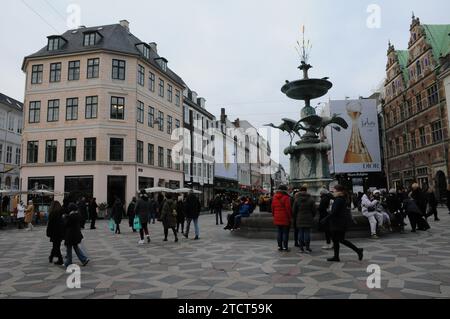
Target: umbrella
<point x="159" y="190"/>
<point x="184" y="190"/>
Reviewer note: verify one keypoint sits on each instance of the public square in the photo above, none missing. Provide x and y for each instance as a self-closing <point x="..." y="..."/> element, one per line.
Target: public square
<point x="224" y="266"/>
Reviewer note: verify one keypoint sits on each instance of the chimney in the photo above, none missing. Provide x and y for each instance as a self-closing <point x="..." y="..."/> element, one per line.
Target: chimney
<point x="223" y="115"/>
<point x="125" y="24"/>
<point x="194" y="96"/>
<point x="154" y="47"/>
<point x="237" y="123"/>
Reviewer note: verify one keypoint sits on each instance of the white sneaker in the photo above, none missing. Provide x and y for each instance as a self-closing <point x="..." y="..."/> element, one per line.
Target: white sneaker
<point x="141" y="242"/>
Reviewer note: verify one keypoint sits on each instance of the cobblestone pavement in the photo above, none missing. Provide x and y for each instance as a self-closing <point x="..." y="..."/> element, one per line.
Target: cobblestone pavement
<point x="223" y="266"/>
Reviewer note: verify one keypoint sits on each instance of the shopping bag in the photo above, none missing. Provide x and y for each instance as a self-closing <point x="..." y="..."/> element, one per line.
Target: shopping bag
<point x="112" y="225"/>
<point x="137" y="223"/>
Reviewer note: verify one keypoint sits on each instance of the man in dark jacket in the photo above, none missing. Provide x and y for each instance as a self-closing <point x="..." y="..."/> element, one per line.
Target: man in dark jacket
<point x="83" y="211"/>
<point x="192" y="215"/>
<point x="339" y="222"/>
<point x="73" y="235"/>
<point x="93" y="212"/>
<point x="304" y="213"/>
<point x="218" y="209"/>
<point x="142" y="209"/>
<point x="130" y="213"/>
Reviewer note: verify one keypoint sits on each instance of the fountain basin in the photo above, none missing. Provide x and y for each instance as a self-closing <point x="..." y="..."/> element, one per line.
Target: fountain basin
<point x="307" y="89"/>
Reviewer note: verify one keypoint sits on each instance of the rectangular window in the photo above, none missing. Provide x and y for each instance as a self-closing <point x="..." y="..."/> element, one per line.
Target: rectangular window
<point x="90" y="149"/>
<point x="436" y="129"/>
<point x="161" y="121"/>
<point x="140" y="152"/>
<point x="55" y="72"/>
<point x="161" y="88"/>
<point x="70" y="150"/>
<point x="422" y="136"/>
<point x="169" y="159"/>
<point x="9" y="154"/>
<point x="151" y="116"/>
<point x="90" y="39"/>
<point x="177" y="124"/>
<point x="151" y="154"/>
<point x="169" y="124"/>
<point x="118" y="69"/>
<point x="117" y="108"/>
<point x="413" y="140"/>
<point x="72" y="109"/>
<point x="91" y="111"/>
<point x="18" y="156"/>
<point x="419" y="105"/>
<point x="37" y="73"/>
<point x="11" y="123"/>
<point x="177" y="98"/>
<point x="20" y="126"/>
<point x="409" y="107"/>
<point x="433" y="96"/>
<point x="51" y="151"/>
<point x="93" y="68"/>
<point x="74" y="70"/>
<point x="53" y="44"/>
<point x="160" y="157"/>
<point x="140" y="112"/>
<point x="53" y="111"/>
<point x="35" y="112"/>
<point x="32" y="152"/>
<point x="186" y="115"/>
<point x="169" y="93"/>
<point x="141" y="75"/>
<point x="116" y="149"/>
<point x="1" y="153"/>
<point x="151" y="82"/>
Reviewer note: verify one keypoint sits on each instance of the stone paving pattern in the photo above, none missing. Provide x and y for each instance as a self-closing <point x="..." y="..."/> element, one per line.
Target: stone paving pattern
<point x="221" y="266"/>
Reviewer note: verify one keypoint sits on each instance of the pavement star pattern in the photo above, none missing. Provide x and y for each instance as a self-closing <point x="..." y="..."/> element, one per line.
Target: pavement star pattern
<point x="221" y="266"/>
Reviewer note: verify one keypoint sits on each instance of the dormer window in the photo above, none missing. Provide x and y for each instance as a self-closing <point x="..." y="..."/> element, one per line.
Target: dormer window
<point x="55" y="43"/>
<point x="162" y="63"/>
<point x="91" y="38"/>
<point x="144" y="48"/>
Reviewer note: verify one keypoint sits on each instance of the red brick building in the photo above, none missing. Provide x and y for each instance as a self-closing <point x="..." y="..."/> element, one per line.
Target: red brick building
<point x="415" y="110"/>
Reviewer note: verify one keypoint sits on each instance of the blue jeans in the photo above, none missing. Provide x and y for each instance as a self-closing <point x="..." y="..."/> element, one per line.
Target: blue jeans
<point x="188" y="226"/>
<point x="151" y="217"/>
<point x="304" y="235"/>
<point x="81" y="256"/>
<point x="283" y="237"/>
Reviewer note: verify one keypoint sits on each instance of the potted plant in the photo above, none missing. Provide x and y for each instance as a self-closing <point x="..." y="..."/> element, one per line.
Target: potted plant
<point x="102" y="210"/>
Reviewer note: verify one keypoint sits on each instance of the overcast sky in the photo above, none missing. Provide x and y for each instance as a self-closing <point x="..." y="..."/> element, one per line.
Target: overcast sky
<point x="235" y="53"/>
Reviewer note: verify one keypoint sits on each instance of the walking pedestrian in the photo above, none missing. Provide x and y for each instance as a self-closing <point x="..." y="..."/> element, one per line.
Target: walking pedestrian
<point x="339" y="220"/>
<point x="131" y="214"/>
<point x="117" y="213"/>
<point x="192" y="215"/>
<point x="432" y="204"/>
<point x="169" y="217"/>
<point x="20" y="215"/>
<point x="93" y="212"/>
<point x="142" y="210"/>
<point x="218" y="204"/>
<point x="324" y="210"/>
<point x="29" y="213"/>
<point x="73" y="235"/>
<point x="420" y="198"/>
<point x="55" y="231"/>
<point x="448" y="198"/>
<point x="180" y="214"/>
<point x="282" y="216"/>
<point x="304" y="211"/>
<point x="83" y="211"/>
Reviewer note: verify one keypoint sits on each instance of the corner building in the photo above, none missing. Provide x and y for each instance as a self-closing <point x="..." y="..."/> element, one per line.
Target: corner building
<point x="100" y="108"/>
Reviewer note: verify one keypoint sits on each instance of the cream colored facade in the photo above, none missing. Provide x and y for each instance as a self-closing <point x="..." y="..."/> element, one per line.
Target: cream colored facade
<point x="103" y="128"/>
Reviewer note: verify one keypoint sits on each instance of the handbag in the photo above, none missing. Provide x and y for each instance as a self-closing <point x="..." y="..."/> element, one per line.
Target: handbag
<point x="112" y="225"/>
<point x="137" y="223"/>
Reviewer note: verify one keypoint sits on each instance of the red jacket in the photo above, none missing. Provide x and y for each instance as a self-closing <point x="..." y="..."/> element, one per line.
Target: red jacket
<point x="281" y="209"/>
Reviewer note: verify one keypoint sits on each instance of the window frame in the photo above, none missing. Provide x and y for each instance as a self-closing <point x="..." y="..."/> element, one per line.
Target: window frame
<point x="37" y="74"/>
<point x="161" y="157"/>
<point x="74" y="69"/>
<point x="152" y="82"/>
<point x="34" y="151"/>
<point x="70" y="151"/>
<point x="54" y="151"/>
<point x="140" y="152"/>
<point x="91" y="104"/>
<point x="119" y="68"/>
<point x="117" y="108"/>
<point x="141" y="75"/>
<point x="90" y="149"/>
<point x="151" y="116"/>
<point x="35" y="109"/>
<point x="140" y="115"/>
<point x="55" y="72"/>
<point x="93" y="68"/>
<point x="111" y="146"/>
<point x="52" y="109"/>
<point x="70" y="105"/>
<point x="151" y="154"/>
<point x="161" y="88"/>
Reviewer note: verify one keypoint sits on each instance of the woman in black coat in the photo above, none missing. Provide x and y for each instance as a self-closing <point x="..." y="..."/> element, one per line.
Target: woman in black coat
<point x="339" y="222"/>
<point x="73" y="235"/>
<point x="131" y="214"/>
<point x="117" y="214"/>
<point x="55" y="231"/>
<point x="432" y="204"/>
<point x="181" y="218"/>
<point x="325" y="200"/>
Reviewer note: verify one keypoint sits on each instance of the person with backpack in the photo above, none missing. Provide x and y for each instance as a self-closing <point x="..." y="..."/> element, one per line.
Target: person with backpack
<point x="339" y="220"/>
<point x="169" y="217"/>
<point x="282" y="216"/>
<point x="304" y="212"/>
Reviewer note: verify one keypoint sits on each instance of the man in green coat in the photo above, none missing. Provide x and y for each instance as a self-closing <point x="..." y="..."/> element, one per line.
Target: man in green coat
<point x="304" y="213"/>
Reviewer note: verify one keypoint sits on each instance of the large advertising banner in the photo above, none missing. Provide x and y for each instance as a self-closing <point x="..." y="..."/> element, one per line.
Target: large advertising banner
<point x="225" y="156"/>
<point x="356" y="149"/>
